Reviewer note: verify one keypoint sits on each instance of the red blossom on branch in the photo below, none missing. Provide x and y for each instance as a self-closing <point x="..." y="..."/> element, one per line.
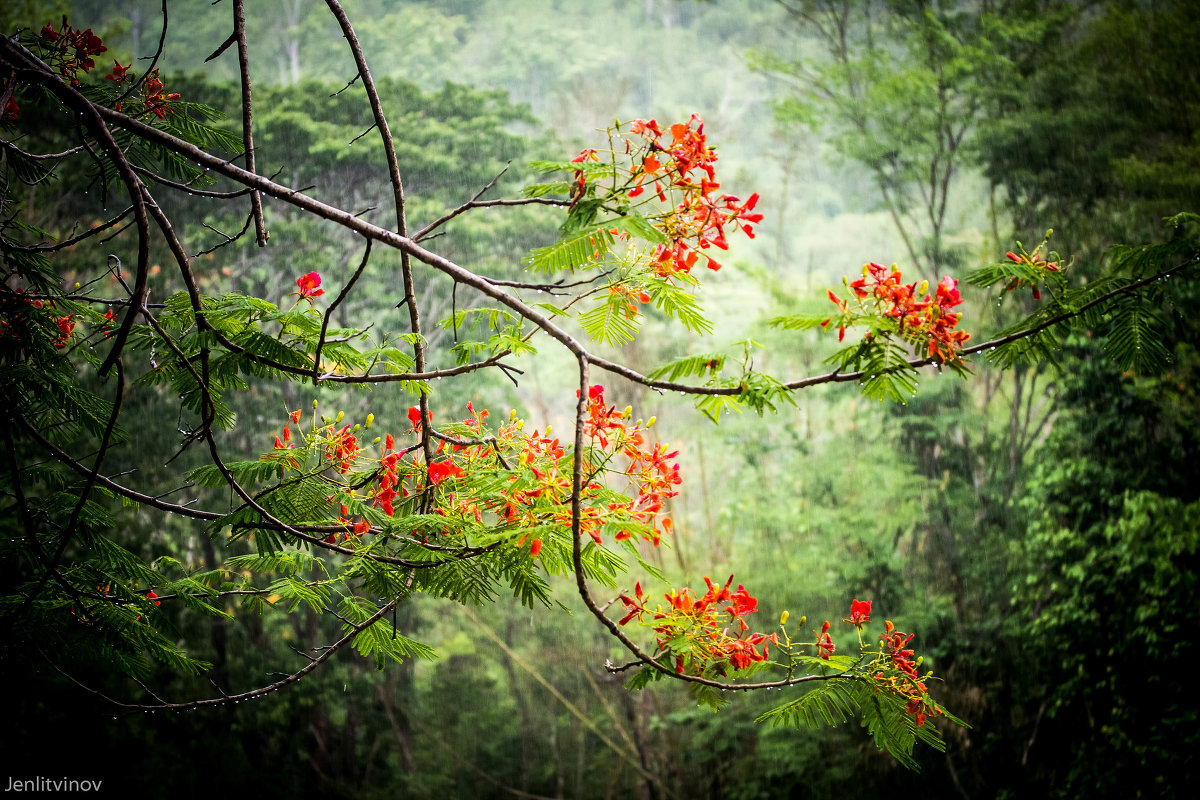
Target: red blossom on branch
<point x="922" y="319"/>
<point x="860" y="613"/>
<point x="309" y="285"/>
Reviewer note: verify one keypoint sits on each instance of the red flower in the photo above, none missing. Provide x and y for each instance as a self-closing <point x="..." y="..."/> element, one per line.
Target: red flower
<point x="642" y="126"/>
<point x="860" y="613"/>
<point x="743" y="603"/>
<point x="310" y="285"/>
<point x="825" y="645"/>
<point x="118" y="73"/>
<point x="66" y="325"/>
<point x="535" y="547"/>
<point x="150" y="595"/>
<point x="440" y="470"/>
<point x="87" y="44"/>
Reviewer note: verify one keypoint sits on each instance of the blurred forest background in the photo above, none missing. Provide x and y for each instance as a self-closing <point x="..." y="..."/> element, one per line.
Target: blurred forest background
<point x="1037" y="528"/>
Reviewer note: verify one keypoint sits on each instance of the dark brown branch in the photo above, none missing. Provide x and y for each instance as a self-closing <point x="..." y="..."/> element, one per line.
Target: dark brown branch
<point x="389" y="149"/>
<point x="577" y="534"/>
<point x="239" y="31"/>
<point x="41" y="156"/>
<point x="90" y="232"/>
<point x="333" y="306"/>
<point x="326" y="653"/>
<point x="192" y="190"/>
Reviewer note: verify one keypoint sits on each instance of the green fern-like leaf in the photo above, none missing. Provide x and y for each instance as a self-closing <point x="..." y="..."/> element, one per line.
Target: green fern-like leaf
<point x="380" y="639"/>
<point x="1134" y="339"/>
<point x="830" y="703"/>
<point x="610" y="323"/>
<point x="799" y="322"/>
<point x="247" y="473"/>
<point x="574" y="251"/>
<point x="695" y="366"/>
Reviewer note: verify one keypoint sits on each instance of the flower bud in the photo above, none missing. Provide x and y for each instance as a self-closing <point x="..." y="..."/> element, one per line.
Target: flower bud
<point x="783" y="619"/>
<point x="355" y="428"/>
<point x="866" y="270"/>
<point x="923" y="288"/>
<point x="650" y="422"/>
<point x="628" y="413"/>
<point x="370" y="419"/>
<point x="314" y="405"/>
<point x="340" y="416"/>
<point x="377" y="440"/>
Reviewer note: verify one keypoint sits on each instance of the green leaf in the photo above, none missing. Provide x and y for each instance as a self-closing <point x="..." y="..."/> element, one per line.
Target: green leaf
<point x="574" y="251"/>
<point x="829" y="703"/>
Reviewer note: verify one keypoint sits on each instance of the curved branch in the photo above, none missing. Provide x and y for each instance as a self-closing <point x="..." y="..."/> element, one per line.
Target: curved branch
<point x="313" y="662"/>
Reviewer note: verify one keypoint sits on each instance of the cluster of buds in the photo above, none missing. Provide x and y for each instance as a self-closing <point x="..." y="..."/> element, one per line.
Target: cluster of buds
<point x="1036" y="262"/>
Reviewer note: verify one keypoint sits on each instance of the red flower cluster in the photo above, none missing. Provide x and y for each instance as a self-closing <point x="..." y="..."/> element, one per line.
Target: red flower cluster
<point x="904" y="680"/>
<point x="633" y="297"/>
<point x="341" y="448"/>
<point x="156" y="100"/>
<point x="825" y="645"/>
<point x="919" y="317"/>
<point x="697" y="629"/>
<point x="652" y="471"/>
<point x="698" y="220"/>
<point x="389" y="478"/>
<point x="536" y="467"/>
<point x="70" y="50"/>
<point x="15" y="318"/>
<point x="580" y="187"/>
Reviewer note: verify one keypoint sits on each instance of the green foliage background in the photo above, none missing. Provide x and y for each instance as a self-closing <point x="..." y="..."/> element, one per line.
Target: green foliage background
<point x="1037" y="528"/>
